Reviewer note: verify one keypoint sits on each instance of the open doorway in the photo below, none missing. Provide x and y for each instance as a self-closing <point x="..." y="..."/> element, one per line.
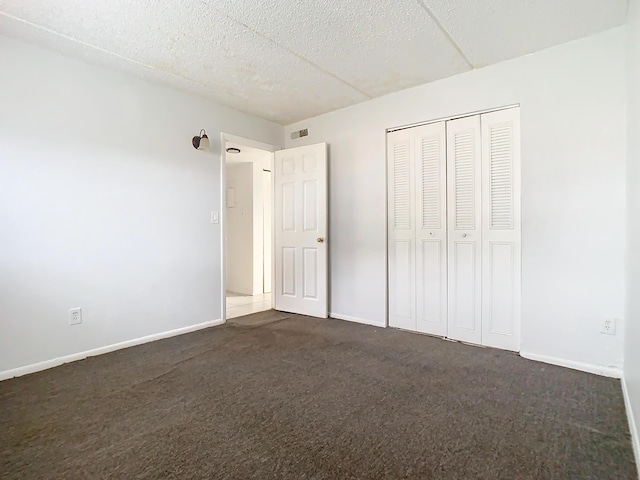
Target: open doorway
<point x="248" y="228"/>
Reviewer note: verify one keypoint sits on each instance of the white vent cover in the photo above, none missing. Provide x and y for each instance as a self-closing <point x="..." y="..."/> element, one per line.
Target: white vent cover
<point x="299" y="133"/>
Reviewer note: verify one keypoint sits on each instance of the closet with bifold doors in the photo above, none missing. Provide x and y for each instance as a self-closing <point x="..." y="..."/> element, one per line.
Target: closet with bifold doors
<point x="454" y="241"/>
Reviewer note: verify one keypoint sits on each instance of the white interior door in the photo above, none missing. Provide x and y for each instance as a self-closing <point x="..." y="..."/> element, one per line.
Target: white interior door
<point x="464" y="229"/>
<point x="501" y="242"/>
<point x="401" y="234"/>
<point x="431" y="228"/>
<point x="300" y="220"/>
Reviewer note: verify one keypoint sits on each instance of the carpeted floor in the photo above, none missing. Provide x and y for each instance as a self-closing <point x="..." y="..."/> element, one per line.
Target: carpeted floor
<point x="279" y="396"/>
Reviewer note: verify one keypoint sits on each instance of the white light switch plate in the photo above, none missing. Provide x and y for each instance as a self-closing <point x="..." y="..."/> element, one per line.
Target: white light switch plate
<point x="215" y="216"/>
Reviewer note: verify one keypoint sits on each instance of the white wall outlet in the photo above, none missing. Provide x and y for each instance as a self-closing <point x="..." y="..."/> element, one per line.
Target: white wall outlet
<point x="75" y="316"/>
<point x="608" y="326"/>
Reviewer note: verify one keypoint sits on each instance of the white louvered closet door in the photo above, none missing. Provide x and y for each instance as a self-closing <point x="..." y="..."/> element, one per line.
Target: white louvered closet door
<point x="464" y="229"/>
<point x="501" y="237"/>
<point x="431" y="228"/>
<point x="401" y="235"/>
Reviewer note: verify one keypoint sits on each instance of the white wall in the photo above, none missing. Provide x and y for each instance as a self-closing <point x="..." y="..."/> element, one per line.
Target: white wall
<point x="572" y="101"/>
<point x="104" y="204"/>
<point x="267" y="252"/>
<point x="257" y="230"/>
<point x="261" y="229"/>
<point x="632" y="340"/>
<point x="240" y="241"/>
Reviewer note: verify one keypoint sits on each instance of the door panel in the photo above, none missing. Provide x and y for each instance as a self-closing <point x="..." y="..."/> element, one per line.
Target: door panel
<point x="402" y="286"/>
<point x="431" y="228"/>
<point x="288" y="207"/>
<point x="401" y="234"/>
<point x="300" y="222"/>
<point x="464" y="291"/>
<point x="500" y="291"/>
<point x="310" y="206"/>
<point x="501" y="237"/>
<point x="310" y="272"/>
<point x="289" y="271"/>
<point x="464" y="232"/>
<point x="432" y="307"/>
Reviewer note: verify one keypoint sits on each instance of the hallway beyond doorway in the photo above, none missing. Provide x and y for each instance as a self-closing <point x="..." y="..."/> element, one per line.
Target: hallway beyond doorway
<point x="239" y="304"/>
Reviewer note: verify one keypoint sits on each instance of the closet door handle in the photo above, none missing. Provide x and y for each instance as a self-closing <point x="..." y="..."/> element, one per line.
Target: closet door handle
<point x="464" y="234"/>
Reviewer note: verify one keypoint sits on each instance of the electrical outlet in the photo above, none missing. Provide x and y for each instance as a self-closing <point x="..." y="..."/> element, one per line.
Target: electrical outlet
<point x="609" y="326"/>
<point x="75" y="316"/>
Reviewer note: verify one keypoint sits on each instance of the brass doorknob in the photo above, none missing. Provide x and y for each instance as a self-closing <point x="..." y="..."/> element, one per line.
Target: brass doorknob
<point x="320" y="239"/>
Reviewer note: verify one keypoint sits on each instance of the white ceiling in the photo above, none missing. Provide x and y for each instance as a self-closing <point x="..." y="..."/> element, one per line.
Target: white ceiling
<point x="287" y="61"/>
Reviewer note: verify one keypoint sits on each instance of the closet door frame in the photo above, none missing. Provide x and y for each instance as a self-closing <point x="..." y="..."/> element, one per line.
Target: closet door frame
<point x="514" y="342"/>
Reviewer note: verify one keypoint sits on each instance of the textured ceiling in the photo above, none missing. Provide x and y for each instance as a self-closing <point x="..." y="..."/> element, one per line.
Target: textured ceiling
<point x="287" y="61"/>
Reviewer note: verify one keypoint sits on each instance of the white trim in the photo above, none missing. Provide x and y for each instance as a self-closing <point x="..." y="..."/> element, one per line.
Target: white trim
<point x="635" y="440"/>
<point x="55" y="362"/>
<point x="348" y="318"/>
<point x="612" y="372"/>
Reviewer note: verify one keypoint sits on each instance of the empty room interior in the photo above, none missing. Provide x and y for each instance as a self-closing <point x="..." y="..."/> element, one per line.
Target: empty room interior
<point x="324" y="240"/>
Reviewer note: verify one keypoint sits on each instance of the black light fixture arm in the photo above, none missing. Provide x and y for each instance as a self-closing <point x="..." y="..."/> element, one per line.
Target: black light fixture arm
<point x="200" y="142"/>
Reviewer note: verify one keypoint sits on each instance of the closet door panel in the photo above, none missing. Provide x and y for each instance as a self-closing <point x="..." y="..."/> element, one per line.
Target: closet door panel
<point x="401" y="230"/>
<point x="431" y="228"/>
<point x="464" y="298"/>
<point x="464" y="229"/>
<point x="501" y="237"/>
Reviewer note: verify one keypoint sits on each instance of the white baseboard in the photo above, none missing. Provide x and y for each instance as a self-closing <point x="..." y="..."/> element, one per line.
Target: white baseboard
<point x="612" y="372"/>
<point x="635" y="440"/>
<point x="36" y="367"/>
<point x="357" y="320"/>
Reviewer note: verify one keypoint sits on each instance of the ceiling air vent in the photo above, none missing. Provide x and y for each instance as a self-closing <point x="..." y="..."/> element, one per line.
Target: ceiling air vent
<point x="300" y="133"/>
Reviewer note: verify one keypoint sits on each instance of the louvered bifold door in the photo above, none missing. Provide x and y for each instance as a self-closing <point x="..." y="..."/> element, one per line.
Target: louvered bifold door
<point x="401" y="234"/>
<point x="431" y="228"/>
<point x="464" y="229"/>
<point x="501" y="241"/>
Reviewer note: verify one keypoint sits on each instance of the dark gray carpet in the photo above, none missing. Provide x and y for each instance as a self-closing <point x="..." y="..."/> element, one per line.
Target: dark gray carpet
<point x="288" y="397"/>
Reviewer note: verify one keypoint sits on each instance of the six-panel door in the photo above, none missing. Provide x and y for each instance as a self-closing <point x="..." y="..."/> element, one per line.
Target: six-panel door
<point x="300" y="222"/>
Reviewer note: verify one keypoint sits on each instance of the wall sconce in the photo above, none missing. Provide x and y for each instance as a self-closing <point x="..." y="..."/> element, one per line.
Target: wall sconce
<point x="201" y="142"/>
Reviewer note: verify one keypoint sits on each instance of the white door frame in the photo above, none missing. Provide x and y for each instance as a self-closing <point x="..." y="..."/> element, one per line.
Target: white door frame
<point x="224" y="138"/>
